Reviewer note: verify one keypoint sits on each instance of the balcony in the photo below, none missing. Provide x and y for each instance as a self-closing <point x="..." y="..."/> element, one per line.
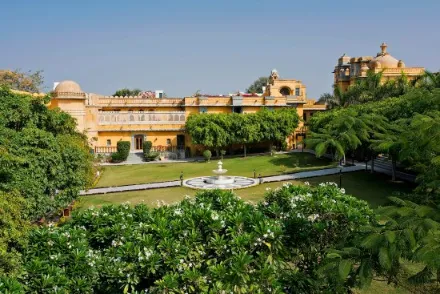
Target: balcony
<point x="141" y="102"/>
<point x="141" y="118"/>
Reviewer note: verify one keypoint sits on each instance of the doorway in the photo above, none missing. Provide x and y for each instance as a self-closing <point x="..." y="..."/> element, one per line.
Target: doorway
<point x="181" y="142"/>
<point x="138" y="142"/>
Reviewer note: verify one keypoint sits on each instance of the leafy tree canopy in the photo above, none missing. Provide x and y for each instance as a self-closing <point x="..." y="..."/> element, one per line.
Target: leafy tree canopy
<point x="41" y="154"/>
<point x="224" y="129"/>
<point x="127" y="92"/>
<point x="257" y="86"/>
<point x="22" y="81"/>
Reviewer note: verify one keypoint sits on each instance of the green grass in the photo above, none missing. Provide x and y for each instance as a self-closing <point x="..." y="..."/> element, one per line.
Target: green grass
<point x="241" y="166"/>
<point x="373" y="188"/>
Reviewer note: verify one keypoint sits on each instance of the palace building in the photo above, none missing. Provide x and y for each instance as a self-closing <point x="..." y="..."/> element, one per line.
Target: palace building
<point x="349" y="69"/>
<point x="150" y="116"/>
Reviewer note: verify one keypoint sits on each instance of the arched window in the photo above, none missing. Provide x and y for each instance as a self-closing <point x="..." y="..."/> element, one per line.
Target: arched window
<point x="142" y="117"/>
<point x="285" y="91"/>
<point x="131" y="117"/>
<point x="182" y="117"/>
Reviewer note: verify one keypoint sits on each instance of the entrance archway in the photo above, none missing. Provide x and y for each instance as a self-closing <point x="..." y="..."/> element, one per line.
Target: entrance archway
<point x="138" y="142"/>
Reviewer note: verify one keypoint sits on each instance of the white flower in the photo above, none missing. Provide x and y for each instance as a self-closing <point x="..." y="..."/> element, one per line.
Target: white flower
<point x="178" y="211"/>
<point x="265" y="235"/>
<point x="307" y="183"/>
<point x="313" y="217"/>
<point x="214" y="216"/>
<point x="265" y="203"/>
<point x="51" y="224"/>
<point x="50" y="243"/>
<point x="342" y="190"/>
<point x="268" y="189"/>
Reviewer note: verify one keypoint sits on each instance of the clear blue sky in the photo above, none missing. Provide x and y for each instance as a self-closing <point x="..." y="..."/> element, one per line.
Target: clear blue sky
<point x="214" y="46"/>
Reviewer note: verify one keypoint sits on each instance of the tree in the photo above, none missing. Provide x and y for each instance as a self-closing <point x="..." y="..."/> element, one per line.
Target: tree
<point x="220" y="130"/>
<point x="22" y="81"/>
<point x="346" y="132"/>
<point x="127" y="92"/>
<point x="13" y="232"/>
<point x="245" y="129"/>
<point x="42" y="155"/>
<point x="257" y="86"/>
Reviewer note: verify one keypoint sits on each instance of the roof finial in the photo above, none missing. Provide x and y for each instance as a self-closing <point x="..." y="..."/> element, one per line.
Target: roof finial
<point x="383" y="47"/>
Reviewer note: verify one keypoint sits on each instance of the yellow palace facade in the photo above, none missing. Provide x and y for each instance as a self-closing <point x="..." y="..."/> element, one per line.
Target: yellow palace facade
<point x="108" y="119"/>
<point x="349" y="69"/>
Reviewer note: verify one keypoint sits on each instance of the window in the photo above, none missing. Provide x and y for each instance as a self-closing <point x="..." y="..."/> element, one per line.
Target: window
<point x="297" y="91"/>
<point x="168" y="141"/>
<point x="203" y="109"/>
<point x="305" y="116"/>
<point x="109" y="142"/>
<point x="285" y="91"/>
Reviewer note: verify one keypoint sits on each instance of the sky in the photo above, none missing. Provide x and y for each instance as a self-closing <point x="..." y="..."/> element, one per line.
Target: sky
<point x="213" y="46"/>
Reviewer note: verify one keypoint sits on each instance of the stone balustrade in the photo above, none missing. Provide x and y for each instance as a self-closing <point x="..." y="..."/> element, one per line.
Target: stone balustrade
<point x="137" y="101"/>
<point x="141" y="117"/>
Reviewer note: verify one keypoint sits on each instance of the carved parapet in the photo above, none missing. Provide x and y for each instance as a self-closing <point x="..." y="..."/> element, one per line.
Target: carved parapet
<point x="69" y="95"/>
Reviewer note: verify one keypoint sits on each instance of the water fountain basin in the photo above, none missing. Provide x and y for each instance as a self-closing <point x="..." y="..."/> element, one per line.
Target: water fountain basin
<point x="219" y="181"/>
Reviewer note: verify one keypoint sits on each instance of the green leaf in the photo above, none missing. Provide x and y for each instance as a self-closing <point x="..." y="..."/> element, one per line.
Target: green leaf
<point x="333" y="255"/>
<point x="365" y="273"/>
<point x="344" y="268"/>
<point x="384" y="258"/>
<point x="372" y="241"/>
<point x="391" y="236"/>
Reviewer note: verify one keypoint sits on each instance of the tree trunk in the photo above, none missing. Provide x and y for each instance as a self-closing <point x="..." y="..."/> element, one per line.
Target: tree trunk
<point x="244" y="149"/>
<point x="393" y="170"/>
<point x="217" y="153"/>
<point x="372" y="163"/>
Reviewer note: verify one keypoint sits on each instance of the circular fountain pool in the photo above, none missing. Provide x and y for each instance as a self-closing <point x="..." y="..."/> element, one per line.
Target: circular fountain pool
<point x="219" y="181"/>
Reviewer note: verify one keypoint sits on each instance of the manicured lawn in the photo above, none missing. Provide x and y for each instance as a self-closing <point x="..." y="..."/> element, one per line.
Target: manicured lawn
<point x="373" y="188"/>
<point x="241" y="166"/>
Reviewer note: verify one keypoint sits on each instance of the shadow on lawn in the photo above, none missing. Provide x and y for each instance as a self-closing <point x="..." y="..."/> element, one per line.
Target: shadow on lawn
<point x="299" y="160"/>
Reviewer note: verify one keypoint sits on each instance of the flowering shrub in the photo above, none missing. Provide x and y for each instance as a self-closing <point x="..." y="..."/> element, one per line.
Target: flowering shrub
<point x="214" y="242"/>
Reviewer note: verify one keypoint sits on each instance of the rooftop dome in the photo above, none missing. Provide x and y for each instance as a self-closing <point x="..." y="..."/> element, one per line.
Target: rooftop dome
<point x="68" y="87"/>
<point x="384" y="59"/>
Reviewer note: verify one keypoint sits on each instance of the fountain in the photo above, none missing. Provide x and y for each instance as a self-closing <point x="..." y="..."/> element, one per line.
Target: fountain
<point x="220" y="181"/>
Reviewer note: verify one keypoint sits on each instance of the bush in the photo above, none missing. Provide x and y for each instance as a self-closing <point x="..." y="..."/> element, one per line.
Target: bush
<point x="222" y="153"/>
<point x="123" y="148"/>
<point x="116" y="157"/>
<point x="146" y="147"/>
<point x="207" y="155"/>
<point x="153" y="155"/>
<point x="212" y="243"/>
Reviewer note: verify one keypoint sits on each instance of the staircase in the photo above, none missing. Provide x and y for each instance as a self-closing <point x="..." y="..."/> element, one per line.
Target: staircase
<point x="135" y="157"/>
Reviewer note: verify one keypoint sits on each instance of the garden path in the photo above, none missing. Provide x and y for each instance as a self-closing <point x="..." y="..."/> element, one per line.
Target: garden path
<point x="295" y="176"/>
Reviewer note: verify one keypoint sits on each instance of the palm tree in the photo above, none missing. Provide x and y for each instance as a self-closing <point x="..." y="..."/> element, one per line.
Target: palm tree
<point x="390" y="142"/>
<point x="345" y="132"/>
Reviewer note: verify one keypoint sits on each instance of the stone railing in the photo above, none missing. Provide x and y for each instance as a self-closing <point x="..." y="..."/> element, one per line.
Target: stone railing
<point x="406" y="70"/>
<point x="69" y="95"/>
<point x="138" y="101"/>
<point x="295" y="99"/>
<point x="139" y="117"/>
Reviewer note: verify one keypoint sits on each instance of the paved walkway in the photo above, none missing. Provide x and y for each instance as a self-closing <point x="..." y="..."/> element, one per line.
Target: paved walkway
<point x="300" y="175"/>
